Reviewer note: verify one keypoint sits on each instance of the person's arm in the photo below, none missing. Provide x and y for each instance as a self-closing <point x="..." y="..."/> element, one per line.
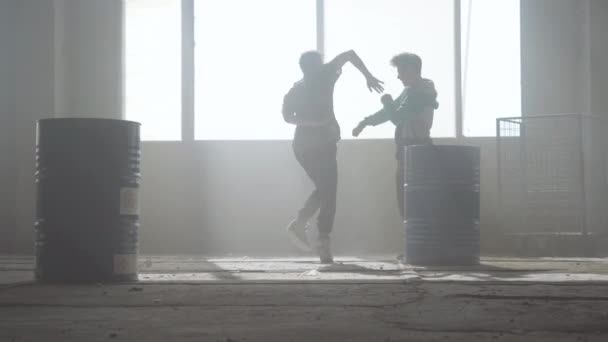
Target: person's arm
<point x="415" y="102"/>
<point x="380" y="117"/>
<point x="289" y="111"/>
<point x="351" y="56"/>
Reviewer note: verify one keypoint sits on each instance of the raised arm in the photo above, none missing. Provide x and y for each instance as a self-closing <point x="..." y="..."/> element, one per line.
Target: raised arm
<point x="373" y="84"/>
<point x="380" y="117"/>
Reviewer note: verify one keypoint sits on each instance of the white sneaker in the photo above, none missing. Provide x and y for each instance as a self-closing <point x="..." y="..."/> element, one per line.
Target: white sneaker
<point x="312" y="234"/>
<point x="296" y="230"/>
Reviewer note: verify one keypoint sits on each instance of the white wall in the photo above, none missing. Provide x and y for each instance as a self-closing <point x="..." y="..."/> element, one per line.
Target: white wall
<point x="236" y="197"/>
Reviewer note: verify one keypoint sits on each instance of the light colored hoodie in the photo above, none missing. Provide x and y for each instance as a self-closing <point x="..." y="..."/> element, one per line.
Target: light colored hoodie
<point x="412" y="114"/>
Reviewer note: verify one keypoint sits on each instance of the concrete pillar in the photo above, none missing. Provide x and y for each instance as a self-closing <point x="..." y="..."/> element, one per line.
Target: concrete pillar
<point x="551" y="47"/>
<point x="598" y="55"/>
<point x="34" y="100"/>
<point x="68" y="64"/>
<point x="8" y="116"/>
<point x="88" y="58"/>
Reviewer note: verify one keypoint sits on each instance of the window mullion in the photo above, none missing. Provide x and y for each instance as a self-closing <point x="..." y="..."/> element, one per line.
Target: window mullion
<point x="321" y="26"/>
<point x="458" y="69"/>
<point x="459" y="117"/>
<point x="188" y="70"/>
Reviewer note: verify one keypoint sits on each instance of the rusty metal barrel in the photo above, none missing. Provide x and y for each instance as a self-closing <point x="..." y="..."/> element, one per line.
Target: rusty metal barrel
<point x="442" y="205"/>
<point x="87" y="210"/>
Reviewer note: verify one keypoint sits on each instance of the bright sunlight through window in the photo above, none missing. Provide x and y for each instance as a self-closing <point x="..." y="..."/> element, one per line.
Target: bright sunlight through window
<point x="153" y="67"/>
<point x="377" y="30"/>
<point x="246" y="59"/>
<point x="491" y="64"/>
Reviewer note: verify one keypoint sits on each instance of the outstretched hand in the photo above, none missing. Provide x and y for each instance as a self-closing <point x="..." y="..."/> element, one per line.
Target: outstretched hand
<point x="357" y="130"/>
<point x="374" y="84"/>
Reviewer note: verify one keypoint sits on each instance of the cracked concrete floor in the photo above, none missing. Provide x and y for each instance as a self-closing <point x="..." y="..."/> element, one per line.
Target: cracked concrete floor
<point x="193" y="298"/>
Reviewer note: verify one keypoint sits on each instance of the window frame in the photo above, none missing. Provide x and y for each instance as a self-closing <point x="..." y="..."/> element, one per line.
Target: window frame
<point x="188" y="67"/>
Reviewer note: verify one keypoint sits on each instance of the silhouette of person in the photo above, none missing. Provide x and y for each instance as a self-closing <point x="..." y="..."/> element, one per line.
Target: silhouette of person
<point x="309" y="106"/>
<point x="411" y="112"/>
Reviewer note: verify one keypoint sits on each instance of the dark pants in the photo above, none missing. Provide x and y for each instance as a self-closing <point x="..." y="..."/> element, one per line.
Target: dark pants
<point x="399" y="182"/>
<point x="321" y="166"/>
<point x="400" y="174"/>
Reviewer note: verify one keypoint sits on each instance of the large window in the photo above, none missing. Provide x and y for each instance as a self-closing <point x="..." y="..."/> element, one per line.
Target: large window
<point x="491" y="64"/>
<point x="246" y="58"/>
<point x="245" y="54"/>
<point x="153" y="67"/>
<point x="379" y="29"/>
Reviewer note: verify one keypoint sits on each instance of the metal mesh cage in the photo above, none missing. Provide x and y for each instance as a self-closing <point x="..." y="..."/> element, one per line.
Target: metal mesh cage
<point x="552" y="175"/>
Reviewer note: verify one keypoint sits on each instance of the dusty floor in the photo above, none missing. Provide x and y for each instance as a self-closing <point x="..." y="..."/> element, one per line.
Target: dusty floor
<point x="295" y="299"/>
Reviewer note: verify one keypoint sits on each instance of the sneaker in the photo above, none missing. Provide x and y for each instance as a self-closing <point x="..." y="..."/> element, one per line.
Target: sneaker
<point x="324" y="250"/>
<point x="312" y="234"/>
<point x="296" y="230"/>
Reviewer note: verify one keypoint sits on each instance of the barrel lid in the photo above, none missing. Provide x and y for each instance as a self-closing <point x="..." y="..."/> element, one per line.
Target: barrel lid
<point x="86" y="120"/>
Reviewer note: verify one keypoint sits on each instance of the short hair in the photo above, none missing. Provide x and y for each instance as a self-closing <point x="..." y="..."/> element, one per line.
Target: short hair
<point x="406" y="59"/>
<point x="309" y="60"/>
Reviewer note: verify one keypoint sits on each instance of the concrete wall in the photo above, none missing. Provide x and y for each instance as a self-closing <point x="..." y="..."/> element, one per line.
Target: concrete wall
<point x="598" y="89"/>
<point x="68" y="64"/>
<point x="8" y="169"/>
<point x="34" y="100"/>
<point x="236" y="197"/>
<point x="599" y="55"/>
<point x="88" y="58"/>
<point x="553" y="56"/>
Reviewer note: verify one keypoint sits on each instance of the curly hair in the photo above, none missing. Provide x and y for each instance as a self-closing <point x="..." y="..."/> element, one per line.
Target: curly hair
<point x="406" y="59"/>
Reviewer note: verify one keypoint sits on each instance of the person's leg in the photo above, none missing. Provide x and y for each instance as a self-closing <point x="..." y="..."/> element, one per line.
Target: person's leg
<point x="327" y="187"/>
<point x="297" y="228"/>
<point x="399" y="185"/>
<point x="399" y="189"/>
<point x="308" y="160"/>
<point x="311" y="206"/>
<point x="321" y="166"/>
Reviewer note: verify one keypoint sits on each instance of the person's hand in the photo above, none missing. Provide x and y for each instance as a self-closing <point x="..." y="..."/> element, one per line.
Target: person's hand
<point x="386" y="100"/>
<point x="374" y="84"/>
<point x="357" y="130"/>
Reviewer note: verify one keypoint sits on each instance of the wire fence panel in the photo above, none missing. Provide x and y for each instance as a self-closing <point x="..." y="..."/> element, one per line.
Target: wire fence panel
<point x="552" y="174"/>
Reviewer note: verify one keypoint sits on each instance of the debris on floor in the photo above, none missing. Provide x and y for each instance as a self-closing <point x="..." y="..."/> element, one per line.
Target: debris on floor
<point x="311" y="273"/>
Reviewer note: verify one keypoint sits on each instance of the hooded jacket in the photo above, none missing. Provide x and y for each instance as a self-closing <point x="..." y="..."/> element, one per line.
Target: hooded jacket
<point x="412" y="114"/>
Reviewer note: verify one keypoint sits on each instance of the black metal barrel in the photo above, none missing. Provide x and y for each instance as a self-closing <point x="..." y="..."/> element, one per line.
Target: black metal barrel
<point x="87" y="213"/>
<point x="442" y="205"/>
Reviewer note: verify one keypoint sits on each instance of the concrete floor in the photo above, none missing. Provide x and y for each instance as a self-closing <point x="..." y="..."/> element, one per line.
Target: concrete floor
<point x="296" y="299"/>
